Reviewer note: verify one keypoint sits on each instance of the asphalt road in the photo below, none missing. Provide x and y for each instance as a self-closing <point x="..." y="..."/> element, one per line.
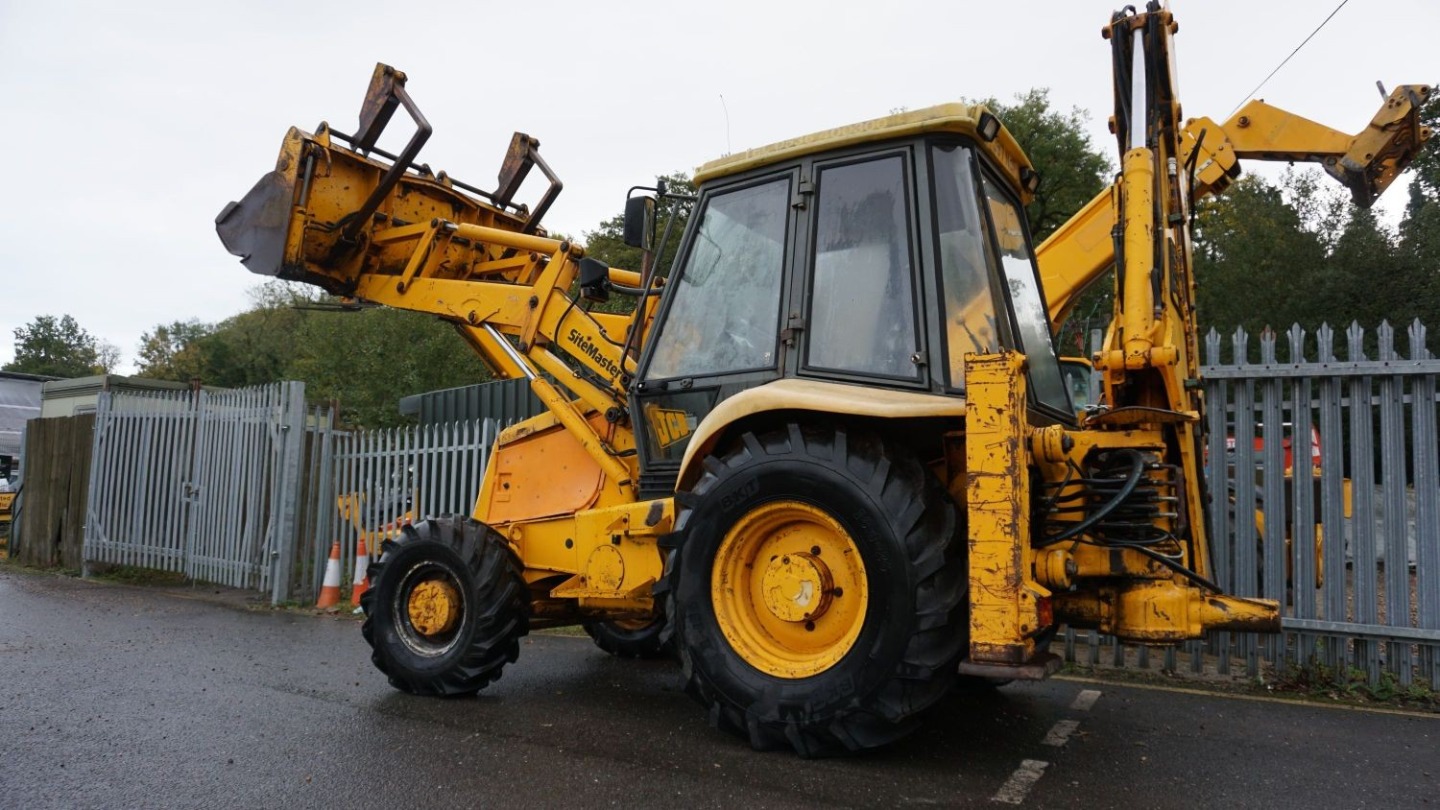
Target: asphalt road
<point x="124" y="697"/>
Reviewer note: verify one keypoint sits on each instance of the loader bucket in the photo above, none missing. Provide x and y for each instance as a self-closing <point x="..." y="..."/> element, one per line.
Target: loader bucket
<point x="255" y="228"/>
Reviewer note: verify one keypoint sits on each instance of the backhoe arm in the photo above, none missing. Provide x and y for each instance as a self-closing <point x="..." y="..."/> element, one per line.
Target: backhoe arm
<point x="1077" y="254"/>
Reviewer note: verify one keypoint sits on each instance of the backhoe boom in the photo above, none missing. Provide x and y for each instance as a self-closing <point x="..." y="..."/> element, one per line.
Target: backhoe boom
<point x="1082" y="249"/>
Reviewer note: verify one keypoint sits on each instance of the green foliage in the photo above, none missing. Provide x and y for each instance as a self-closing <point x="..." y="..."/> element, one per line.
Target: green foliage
<point x="252" y="348"/>
<point x="607" y="241"/>
<point x="1270" y="255"/>
<point x="172" y="351"/>
<point x="1255" y="262"/>
<point x="368" y="360"/>
<point x="1318" y="680"/>
<point x="56" y="346"/>
<point x="1425" y="190"/>
<point x="365" y="360"/>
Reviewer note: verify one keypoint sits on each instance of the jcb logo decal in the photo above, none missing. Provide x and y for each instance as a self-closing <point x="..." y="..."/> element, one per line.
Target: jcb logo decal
<point x="670" y="426"/>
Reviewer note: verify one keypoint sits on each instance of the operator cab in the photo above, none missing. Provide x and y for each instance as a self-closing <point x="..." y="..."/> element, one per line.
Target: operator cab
<point x="822" y="258"/>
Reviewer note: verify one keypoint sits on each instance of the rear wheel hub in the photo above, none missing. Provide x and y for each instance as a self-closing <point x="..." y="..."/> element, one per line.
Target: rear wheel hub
<point x="789" y="589"/>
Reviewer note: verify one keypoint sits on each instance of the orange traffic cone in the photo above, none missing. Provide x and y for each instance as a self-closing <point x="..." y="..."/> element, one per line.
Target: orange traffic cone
<point x="362" y="573"/>
<point x="330" y="588"/>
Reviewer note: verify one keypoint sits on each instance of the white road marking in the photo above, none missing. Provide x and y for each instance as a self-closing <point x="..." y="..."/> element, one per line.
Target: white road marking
<point x="1061" y="732"/>
<point x="1085" y="700"/>
<point x="1018" y="785"/>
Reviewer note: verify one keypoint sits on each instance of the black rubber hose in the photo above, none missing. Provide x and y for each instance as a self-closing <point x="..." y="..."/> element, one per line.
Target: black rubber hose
<point x="1137" y="469"/>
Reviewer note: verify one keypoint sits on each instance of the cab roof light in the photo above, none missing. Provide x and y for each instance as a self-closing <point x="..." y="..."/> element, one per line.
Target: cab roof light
<point x="1030" y="179"/>
<point x="988" y="126"/>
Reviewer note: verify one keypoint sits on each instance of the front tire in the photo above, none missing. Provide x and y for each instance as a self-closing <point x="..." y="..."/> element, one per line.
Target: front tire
<point x="447" y="608"/>
<point x="818" y="592"/>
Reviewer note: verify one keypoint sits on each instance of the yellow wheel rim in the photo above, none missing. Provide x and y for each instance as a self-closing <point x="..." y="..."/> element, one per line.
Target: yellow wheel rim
<point x="434" y="608"/>
<point x="789" y="589"/>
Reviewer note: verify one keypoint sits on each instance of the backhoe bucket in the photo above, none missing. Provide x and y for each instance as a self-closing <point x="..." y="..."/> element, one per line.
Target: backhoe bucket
<point x="255" y="228"/>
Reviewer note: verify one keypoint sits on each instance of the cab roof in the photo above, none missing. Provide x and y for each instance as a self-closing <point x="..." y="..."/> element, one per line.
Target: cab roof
<point x="954" y="118"/>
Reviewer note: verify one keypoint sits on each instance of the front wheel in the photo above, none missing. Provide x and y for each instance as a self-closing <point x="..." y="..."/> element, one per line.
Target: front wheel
<point x="447" y="608"/>
<point x="818" y="592"/>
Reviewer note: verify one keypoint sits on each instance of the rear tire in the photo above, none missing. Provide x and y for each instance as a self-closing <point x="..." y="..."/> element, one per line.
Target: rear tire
<point x="624" y="639"/>
<point x="782" y="662"/>
<point x="447" y="608"/>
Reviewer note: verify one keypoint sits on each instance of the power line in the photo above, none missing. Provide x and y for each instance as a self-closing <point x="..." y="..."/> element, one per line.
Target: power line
<point x="1252" y="93"/>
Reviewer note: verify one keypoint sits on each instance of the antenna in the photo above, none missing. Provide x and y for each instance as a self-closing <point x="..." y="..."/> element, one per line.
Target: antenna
<point x="726" y="108"/>
<point x="1251" y="94"/>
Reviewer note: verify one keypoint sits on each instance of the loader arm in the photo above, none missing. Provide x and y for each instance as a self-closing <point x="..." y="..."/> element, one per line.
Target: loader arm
<point x="339" y="213"/>
<point x="1077" y="254"/>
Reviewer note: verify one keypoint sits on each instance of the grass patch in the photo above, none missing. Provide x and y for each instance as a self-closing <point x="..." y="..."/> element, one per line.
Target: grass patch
<point x="1320" y="682"/>
<point x="130" y="575"/>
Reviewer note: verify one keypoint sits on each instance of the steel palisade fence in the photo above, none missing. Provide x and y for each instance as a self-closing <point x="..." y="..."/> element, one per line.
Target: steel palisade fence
<point x="1369" y="602"/>
<point x="198" y="482"/>
<point x="369" y="483"/>
<point x="250" y="489"/>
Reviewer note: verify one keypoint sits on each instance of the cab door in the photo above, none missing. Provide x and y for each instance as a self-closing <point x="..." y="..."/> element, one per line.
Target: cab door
<point x="860" y="289"/>
<point x="718" y="330"/>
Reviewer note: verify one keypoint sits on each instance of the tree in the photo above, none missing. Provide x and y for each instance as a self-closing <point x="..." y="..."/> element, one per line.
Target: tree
<point x="257" y="346"/>
<point x="55" y="346"/>
<point x="368" y="360"/>
<point x="1425" y="189"/>
<point x="1364" y="277"/>
<point x="107" y="357"/>
<point x="607" y="241"/>
<point x="1256" y="265"/>
<point x="172" y="351"/>
<point x="1420" y="229"/>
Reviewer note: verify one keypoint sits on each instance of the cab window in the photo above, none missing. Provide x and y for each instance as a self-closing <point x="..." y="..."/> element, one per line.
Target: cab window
<point x="726" y="301"/>
<point x="1023" y="283"/>
<point x="862" y="306"/>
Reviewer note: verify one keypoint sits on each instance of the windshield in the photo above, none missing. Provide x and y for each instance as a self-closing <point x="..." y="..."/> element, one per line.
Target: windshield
<point x="1026" y="300"/>
<point x="725" y="309"/>
<point x="969" y="304"/>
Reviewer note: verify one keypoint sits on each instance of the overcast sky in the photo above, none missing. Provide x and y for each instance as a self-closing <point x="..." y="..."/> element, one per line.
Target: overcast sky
<point x="128" y="125"/>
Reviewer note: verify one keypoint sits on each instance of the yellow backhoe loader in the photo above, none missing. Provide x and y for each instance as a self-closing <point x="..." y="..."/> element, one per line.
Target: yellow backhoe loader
<point x="829" y="456"/>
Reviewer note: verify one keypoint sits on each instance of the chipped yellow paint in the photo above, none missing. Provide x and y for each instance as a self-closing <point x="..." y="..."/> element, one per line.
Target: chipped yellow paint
<point x="434" y="607"/>
<point x="1004" y="599"/>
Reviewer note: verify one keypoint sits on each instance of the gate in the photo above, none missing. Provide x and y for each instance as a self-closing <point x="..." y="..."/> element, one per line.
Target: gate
<point x="201" y="483"/>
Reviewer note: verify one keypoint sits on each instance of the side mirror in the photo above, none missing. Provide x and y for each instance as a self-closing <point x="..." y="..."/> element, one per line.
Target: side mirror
<point x="594" y="280"/>
<point x="640" y="222"/>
